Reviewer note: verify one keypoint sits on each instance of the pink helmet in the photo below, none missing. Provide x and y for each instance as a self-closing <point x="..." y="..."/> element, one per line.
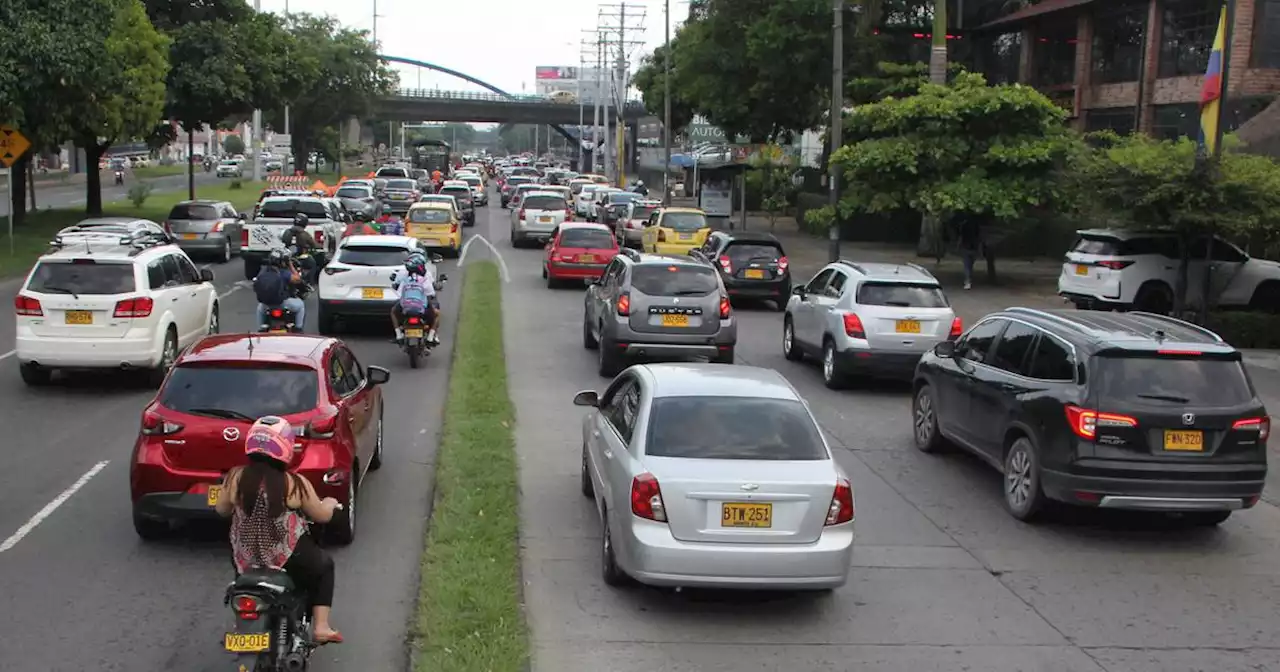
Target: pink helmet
<point x="271" y="436"/>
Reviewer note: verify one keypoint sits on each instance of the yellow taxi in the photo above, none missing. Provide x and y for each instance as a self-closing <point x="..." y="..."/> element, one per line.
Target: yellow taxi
<point x="436" y="227"/>
<point x="675" y="231"/>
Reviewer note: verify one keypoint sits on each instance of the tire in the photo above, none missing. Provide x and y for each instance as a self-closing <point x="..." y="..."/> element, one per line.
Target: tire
<point x="225" y="257"/>
<point x="544" y="272"/>
<point x="1266" y="298"/>
<point x="723" y="356"/>
<point x="610" y="572"/>
<point x="35" y="376"/>
<point x="780" y="304"/>
<point x="1023" y="497"/>
<point x="215" y="322"/>
<point x="375" y="462"/>
<point x="341" y="529"/>
<point x="588" y="488"/>
<point x="924" y="421"/>
<point x="832" y="376"/>
<point x="1154" y="297"/>
<point x="149" y="529"/>
<point x="790" y="349"/>
<point x="168" y="355"/>
<point x="608" y="363"/>
<point x="251" y="268"/>
<point x="413" y="358"/>
<point x="588" y="339"/>
<point x="324" y="321"/>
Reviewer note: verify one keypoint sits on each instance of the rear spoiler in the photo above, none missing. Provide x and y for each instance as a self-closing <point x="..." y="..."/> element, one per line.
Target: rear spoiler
<point x="1176" y="352"/>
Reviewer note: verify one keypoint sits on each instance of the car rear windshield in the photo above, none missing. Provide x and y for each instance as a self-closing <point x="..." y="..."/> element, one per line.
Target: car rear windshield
<point x="642" y="211"/>
<point x="739" y="253"/>
<point x="545" y="203"/>
<point x="1176" y="381"/>
<point x="902" y="295"/>
<point x="193" y="211"/>
<point x="52" y="277"/>
<point x="684" y="221"/>
<point x="392" y="172"/>
<point x="429" y="216"/>
<point x="591" y="239"/>
<point x="473" y="181"/>
<point x="674" y="280"/>
<point x="354" y="192"/>
<point x="518" y="179"/>
<point x="251" y="392"/>
<point x="622" y="196"/>
<point x="402" y="185"/>
<point x="461" y="193"/>
<point x="372" y="255"/>
<point x="287" y="208"/>
<point x="733" y="428"/>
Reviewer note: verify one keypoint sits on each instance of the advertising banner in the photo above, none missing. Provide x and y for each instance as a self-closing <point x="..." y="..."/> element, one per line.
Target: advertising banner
<point x="556" y="72"/>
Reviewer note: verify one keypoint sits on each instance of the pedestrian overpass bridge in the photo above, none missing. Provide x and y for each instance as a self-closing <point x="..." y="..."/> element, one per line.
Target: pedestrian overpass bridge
<point x="505" y="108"/>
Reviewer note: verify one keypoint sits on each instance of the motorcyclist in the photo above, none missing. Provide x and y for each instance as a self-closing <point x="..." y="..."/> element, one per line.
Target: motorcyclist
<point x="417" y="290"/>
<point x="276" y="285"/>
<point x="391" y="225"/>
<point x="639" y="188"/>
<point x="269" y="508"/>
<point x="298" y="238"/>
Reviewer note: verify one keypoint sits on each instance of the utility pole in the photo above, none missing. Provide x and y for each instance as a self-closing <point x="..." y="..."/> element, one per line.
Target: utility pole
<point x="255" y="146"/>
<point x="375" y="24"/>
<point x="586" y="54"/>
<point x="837" y="121"/>
<point x="621" y="20"/>
<point x="286" y="107"/>
<point x="666" y="103"/>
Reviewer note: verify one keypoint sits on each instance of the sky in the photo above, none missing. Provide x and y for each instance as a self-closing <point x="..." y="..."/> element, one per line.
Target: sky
<point x="498" y="41"/>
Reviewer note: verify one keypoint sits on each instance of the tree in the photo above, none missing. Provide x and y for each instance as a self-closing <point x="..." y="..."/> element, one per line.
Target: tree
<point x="458" y="135"/>
<point x="650" y="80"/>
<point x="233" y="144"/>
<point x="891" y="80"/>
<point x="773" y="172"/>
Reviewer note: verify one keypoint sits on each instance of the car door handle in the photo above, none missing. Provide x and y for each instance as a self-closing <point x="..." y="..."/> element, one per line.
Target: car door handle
<point x="608" y="454"/>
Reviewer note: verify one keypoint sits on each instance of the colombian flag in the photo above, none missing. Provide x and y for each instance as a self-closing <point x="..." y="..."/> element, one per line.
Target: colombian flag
<point x="1211" y="94"/>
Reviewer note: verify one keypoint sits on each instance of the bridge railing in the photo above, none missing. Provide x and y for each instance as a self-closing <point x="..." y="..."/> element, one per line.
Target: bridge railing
<point x="489" y="97"/>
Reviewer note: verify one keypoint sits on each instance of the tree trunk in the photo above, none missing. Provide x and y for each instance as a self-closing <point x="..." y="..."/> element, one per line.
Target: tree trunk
<point x="300" y="152"/>
<point x="930" y="243"/>
<point x="31" y="181"/>
<point x="191" y="166"/>
<point x="18" y="191"/>
<point x="93" y="178"/>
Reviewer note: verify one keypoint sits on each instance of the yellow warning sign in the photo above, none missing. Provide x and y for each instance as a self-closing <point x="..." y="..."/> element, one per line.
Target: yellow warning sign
<point x="12" y="145"/>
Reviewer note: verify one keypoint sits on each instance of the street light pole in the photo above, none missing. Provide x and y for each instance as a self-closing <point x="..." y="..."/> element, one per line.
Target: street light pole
<point x="256" y="139"/>
<point x="837" y="120"/>
<point x="666" y="104"/>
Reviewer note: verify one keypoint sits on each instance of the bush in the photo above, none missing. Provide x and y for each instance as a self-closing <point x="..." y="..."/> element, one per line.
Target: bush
<point x="818" y="220"/>
<point x="139" y="193"/>
<point x="236" y="184"/>
<point x="1247" y="329"/>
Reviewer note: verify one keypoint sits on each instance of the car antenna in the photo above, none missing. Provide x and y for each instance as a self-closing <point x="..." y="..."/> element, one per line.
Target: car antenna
<point x="1160" y="335"/>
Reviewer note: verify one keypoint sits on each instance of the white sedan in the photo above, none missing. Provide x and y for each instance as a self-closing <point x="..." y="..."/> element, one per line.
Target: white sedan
<point x="357" y="283"/>
<point x="713" y="475"/>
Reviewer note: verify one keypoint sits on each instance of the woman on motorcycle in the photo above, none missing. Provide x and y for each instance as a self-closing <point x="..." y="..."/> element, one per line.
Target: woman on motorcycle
<point x="266" y="504"/>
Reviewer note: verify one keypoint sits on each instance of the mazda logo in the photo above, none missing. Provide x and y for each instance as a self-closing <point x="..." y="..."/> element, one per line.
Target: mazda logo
<point x="231" y="433"/>
<point x="1188" y="418"/>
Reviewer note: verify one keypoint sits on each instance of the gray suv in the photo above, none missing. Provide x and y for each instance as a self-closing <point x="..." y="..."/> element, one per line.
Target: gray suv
<point x="206" y="227"/>
<point x="657" y="307"/>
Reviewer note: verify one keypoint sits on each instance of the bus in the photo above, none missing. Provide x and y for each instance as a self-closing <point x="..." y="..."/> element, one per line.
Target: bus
<point x="432" y="155"/>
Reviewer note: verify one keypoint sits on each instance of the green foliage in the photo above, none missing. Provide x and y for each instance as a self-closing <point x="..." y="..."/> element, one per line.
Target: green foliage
<point x="233" y="144"/>
<point x="896" y="80"/>
<point x="236" y="184"/>
<point x="1247" y="329"/>
<point x="139" y="193"/>
<point x="819" y="220"/>
<point x="650" y="80"/>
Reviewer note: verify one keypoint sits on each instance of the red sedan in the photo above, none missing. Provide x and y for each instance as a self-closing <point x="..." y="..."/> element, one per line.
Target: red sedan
<point x="193" y="432"/>
<point x="577" y="252"/>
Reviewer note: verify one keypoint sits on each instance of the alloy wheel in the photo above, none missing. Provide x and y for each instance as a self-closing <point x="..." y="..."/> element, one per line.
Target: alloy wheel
<point x="924" y="418"/>
<point x="787" y="338"/>
<point x="1017" y="478"/>
<point x="214" y="323"/>
<point x="829" y="362"/>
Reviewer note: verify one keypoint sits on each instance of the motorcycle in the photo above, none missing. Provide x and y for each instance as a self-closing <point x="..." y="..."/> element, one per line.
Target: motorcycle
<point x="280" y="320"/>
<point x="416" y="344"/>
<point x="119" y="177"/>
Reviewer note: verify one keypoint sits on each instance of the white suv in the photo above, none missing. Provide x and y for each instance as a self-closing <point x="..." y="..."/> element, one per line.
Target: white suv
<point x="357" y="283"/>
<point x="1117" y="269"/>
<point x="113" y="294"/>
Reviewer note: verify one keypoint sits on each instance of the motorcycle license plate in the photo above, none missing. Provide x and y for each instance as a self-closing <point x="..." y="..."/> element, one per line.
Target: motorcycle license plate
<point x="238" y="642"/>
<point x="215" y="493"/>
<point x="413" y="333"/>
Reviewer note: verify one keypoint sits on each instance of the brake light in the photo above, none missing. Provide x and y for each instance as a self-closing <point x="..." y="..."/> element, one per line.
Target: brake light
<point x="1260" y="425"/>
<point x="782" y="264"/>
<point x="646" y="498"/>
<point x="957" y="328"/>
<point x="841" y="508"/>
<point x="724" y="307"/>
<point x="139" y="307"/>
<point x="319" y="236"/>
<point x="853" y="326"/>
<point x="244" y="237"/>
<point x="25" y="305"/>
<point x="521" y="213"/>
<point x="277" y="312"/>
<point x="415" y="320"/>
<point x="624" y="305"/>
<point x="725" y="263"/>
<point x="153" y="424"/>
<point x="453" y="227"/>
<point x="247" y="607"/>
<point x="217" y="227"/>
<point x="1114" y="265"/>
<point x="323" y="425"/>
<point x="1085" y="421"/>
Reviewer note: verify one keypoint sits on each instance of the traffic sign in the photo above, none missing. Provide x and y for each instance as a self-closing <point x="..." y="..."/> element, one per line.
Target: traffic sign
<point x="12" y="145"/>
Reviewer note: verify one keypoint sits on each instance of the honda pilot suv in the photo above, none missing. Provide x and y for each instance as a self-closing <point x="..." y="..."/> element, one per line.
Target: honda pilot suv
<point x="1109" y="410"/>
<point x="657" y="307"/>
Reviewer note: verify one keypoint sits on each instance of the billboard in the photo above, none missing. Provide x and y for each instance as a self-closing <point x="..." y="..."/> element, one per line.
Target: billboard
<point x="556" y="72"/>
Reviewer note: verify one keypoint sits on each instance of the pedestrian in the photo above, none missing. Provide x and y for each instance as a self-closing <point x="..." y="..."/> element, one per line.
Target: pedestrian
<point x="970" y="241"/>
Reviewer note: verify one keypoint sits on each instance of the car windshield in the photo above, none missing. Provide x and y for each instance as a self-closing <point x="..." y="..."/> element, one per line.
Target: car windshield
<point x="733" y="428"/>
<point x="391" y="172"/>
<point x="1101" y="245"/>
<point x="684" y="221"/>
<point x="81" y="277"/>
<point x="902" y="295"/>
<point x="355" y="192"/>
<point x="674" y="280"/>
<point x="537" y="202"/>
<point x="287" y="208"/>
<point x="401" y="185"/>
<point x="248" y="391"/>
<point x="430" y="216"/>
<point x="372" y="255"/>
<point x="193" y="211"/>
<point x="591" y="239"/>
<point x="1173" y="381"/>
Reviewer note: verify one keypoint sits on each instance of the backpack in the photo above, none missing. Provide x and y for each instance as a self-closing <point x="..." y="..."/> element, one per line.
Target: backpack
<point x="270" y="287"/>
<point x="413" y="295"/>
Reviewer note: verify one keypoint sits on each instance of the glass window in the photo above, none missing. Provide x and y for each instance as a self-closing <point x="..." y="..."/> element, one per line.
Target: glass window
<point x="287" y="208"/>
<point x="462" y="194"/>
<point x="1121" y="120"/>
<point x="819" y="281"/>
<point x="613" y="408"/>
<point x="591" y="239"/>
<point x="193" y="211"/>
<point x="997" y="56"/>
<point x="1186" y="38"/>
<point x="251" y="392"/>
<point x="674" y="280"/>
<point x="1118" y="34"/>
<point x="81" y="278"/>
<point x="155" y="275"/>
<point x="741" y="253"/>
<point x="545" y="203"/>
<point x="355" y="192"/>
<point x="1266" y="34"/>
<point x="430" y="216"/>
<point x="684" y="221"/>
<point x="642" y="211"/>
<point x="836" y="288"/>
<point x="1176" y="121"/>
<point x="187" y="271"/>
<point x="355" y="374"/>
<point x="733" y="428"/>
<point x="372" y="255"/>
<point x="1177" y="381"/>
<point x="172" y="275"/>
<point x="1011" y="352"/>
<point x="902" y="295"/>
<point x="977" y="344"/>
<point x="1053" y="53"/>
<point x="401" y="185"/>
<point x="338" y="376"/>
<point x="1052" y="360"/>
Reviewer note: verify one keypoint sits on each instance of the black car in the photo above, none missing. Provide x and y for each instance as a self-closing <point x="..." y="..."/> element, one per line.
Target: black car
<point x="752" y="265"/>
<point x="1111" y="410"/>
<point x="466" y="202"/>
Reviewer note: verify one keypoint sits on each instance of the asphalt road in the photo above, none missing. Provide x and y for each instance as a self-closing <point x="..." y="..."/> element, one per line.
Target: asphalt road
<point x="80" y="591"/>
<point x="943" y="579"/>
<point x="60" y="195"/>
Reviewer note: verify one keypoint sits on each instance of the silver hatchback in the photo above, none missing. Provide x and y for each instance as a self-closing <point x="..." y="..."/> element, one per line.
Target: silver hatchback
<point x="206" y="228"/>
<point x="536" y="215"/>
<point x="872" y="318"/>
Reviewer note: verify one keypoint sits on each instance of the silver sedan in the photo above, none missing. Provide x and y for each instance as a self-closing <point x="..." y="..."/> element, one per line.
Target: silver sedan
<point x="713" y="475"/>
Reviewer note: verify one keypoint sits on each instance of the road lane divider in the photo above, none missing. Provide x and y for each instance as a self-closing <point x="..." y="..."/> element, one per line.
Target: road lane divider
<point x="468" y="614"/>
<point x="502" y="263"/>
<point x="7" y="355"/>
<point x="51" y="507"/>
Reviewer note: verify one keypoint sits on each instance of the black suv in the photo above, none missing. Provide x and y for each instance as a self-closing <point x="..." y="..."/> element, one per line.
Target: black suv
<point x="1110" y="410"/>
<point x="751" y="265"/>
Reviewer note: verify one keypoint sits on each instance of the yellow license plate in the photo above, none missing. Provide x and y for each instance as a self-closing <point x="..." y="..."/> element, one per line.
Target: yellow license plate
<point x="544" y="220"/>
<point x="1186" y="440"/>
<point x="746" y="515"/>
<point x="755" y="273"/>
<point x="413" y="333"/>
<point x="675" y="320"/>
<point x="215" y="493"/>
<point x="247" y="643"/>
<point x="586" y="259"/>
<point x="189" y="236"/>
<point x="1082" y="269"/>
<point x="907" y="326"/>
<point x="79" y="317"/>
<point x="371" y="292"/>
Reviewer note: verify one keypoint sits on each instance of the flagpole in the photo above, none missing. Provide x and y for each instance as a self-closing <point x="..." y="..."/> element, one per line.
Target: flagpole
<point x="1227" y="34"/>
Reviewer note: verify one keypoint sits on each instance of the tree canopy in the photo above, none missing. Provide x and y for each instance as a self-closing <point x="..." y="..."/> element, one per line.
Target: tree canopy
<point x="650" y="80"/>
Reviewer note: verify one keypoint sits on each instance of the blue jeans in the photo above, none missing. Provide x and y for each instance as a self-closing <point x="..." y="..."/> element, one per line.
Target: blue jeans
<point x="293" y="305"/>
<point x="968" y="257"/>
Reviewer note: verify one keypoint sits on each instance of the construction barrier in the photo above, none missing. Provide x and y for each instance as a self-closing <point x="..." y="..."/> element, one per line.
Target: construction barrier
<point x="288" y="182"/>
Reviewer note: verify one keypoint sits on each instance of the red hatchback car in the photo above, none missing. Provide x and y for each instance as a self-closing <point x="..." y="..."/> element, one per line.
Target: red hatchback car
<point x="193" y="432"/>
<point x="578" y="252"/>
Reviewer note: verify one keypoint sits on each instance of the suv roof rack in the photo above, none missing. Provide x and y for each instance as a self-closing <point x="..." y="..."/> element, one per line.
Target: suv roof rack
<point x="139" y="240"/>
<point x="852" y="264"/>
<point x="1047" y="315"/>
<point x="1180" y="323"/>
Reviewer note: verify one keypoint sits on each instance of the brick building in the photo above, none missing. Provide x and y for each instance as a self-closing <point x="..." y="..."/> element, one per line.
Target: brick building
<point x="1142" y="63"/>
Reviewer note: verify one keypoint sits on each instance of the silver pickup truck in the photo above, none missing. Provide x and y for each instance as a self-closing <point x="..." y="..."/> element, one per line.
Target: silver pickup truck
<point x="275" y="216"/>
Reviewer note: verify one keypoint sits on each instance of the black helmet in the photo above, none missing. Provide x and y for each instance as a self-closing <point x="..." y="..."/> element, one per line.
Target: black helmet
<point x="301" y="220"/>
<point x="278" y="258"/>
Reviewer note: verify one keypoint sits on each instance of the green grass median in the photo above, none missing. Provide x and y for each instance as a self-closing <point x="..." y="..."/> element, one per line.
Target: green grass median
<point x="32" y="238"/>
<point x="469" y="616"/>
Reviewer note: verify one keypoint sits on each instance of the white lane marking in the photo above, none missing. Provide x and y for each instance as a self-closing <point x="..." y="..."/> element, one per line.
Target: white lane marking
<point x="237" y="287"/>
<point x="9" y="354"/>
<point x="502" y="263"/>
<point x="51" y="507"/>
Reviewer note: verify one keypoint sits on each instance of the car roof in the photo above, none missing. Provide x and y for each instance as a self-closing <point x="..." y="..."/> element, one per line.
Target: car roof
<point x="1122" y="234"/>
<point x="431" y="205"/>
<point x="886" y="272"/>
<point x="749" y="236"/>
<point x="648" y="259"/>
<point x="584" y="225"/>
<point x="200" y="201"/>
<point x="297" y="349"/>
<point x="699" y="211"/>
<point x="716" y="380"/>
<point x="1097" y="330"/>
<point x="378" y="241"/>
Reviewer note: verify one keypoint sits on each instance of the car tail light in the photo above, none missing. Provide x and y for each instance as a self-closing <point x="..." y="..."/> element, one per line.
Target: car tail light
<point x="1260" y="425"/>
<point x="646" y="498"/>
<point x="853" y="326"/>
<point x="139" y="307"/>
<point x="244" y="237"/>
<point x="323" y="425"/>
<point x="624" y="305"/>
<point x="153" y="424"/>
<point x="662" y="236"/>
<point x="330" y="270"/>
<point x="26" y="305"/>
<point x="957" y="328"/>
<point x="725" y="307"/>
<point x="217" y="227"/>
<point x="247" y="607"/>
<point x="841" y="508"/>
<point x="1085" y="421"/>
<point x="1114" y="265"/>
<point x="520" y="215"/>
<point x="277" y="312"/>
<point x="319" y="236"/>
<point x="725" y="263"/>
<point x="782" y="264"/>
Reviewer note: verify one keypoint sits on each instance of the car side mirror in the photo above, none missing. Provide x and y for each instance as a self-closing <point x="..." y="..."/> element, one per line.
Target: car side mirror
<point x="378" y="375"/>
<point x="444" y="277"/>
<point x="798" y="291"/>
<point x="586" y="398"/>
<point x="241" y="218"/>
<point x="436" y="259"/>
<point x="945" y="349"/>
<point x="206" y="275"/>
